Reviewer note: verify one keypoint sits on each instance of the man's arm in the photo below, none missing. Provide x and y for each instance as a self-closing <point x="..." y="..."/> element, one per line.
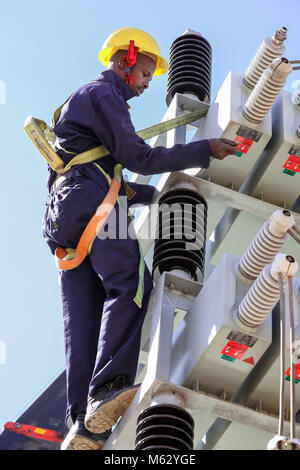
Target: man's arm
<point x="114" y="129"/>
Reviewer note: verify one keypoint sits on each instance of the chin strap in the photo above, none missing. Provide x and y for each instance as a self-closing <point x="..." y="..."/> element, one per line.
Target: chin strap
<point x="131" y="61"/>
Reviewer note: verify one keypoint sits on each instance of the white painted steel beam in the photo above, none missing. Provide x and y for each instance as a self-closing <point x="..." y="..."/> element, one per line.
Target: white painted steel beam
<point x="123" y="436"/>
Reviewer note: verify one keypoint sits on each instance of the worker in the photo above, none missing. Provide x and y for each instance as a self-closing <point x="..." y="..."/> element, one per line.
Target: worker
<point x="105" y="298"/>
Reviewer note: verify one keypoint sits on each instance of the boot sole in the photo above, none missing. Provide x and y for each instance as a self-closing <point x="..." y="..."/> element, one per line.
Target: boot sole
<point x="108" y="413"/>
<point x="84" y="443"/>
<point x="78" y="442"/>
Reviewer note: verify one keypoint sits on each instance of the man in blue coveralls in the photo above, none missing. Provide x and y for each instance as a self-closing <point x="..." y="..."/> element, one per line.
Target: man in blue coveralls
<point x="102" y="322"/>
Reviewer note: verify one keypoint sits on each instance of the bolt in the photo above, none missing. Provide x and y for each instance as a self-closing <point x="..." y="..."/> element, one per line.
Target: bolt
<point x="280" y="35"/>
<point x="171" y="286"/>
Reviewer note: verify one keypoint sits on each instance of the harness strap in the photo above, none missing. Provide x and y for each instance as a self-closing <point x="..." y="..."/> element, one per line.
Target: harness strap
<point x="147" y="133"/>
<point x="93" y="227"/>
<point x="38" y="131"/>
<point x="70" y="258"/>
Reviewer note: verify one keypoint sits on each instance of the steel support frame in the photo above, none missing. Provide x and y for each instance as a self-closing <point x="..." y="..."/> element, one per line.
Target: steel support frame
<point x="211" y="191"/>
<point x="162" y="306"/>
<point x="180" y="105"/>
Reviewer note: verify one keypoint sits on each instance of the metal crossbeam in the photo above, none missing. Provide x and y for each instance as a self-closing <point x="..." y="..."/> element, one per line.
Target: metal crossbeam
<point x="123" y="436"/>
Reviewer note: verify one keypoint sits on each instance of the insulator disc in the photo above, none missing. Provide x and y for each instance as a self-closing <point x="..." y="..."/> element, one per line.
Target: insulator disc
<point x="181" y="233"/>
<point x="190" y="65"/>
<point x="165" y="430"/>
<point x="170" y="419"/>
<point x="164" y="427"/>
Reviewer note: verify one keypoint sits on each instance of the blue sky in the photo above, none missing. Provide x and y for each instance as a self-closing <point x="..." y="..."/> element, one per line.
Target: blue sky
<point x="47" y="50"/>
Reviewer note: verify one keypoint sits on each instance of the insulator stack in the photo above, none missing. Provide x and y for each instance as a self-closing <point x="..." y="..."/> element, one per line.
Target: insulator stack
<point x="260" y="299"/>
<point x="270" y="49"/>
<point x="164" y="427"/>
<point x="181" y="233"/>
<point x="261" y="252"/>
<point x="266" y="244"/>
<point x="266" y="90"/>
<point x="265" y="291"/>
<point x="190" y="60"/>
<point x="296" y="97"/>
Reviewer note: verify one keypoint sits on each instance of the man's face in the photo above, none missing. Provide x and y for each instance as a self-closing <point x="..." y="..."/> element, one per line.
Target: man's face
<point x="142" y="74"/>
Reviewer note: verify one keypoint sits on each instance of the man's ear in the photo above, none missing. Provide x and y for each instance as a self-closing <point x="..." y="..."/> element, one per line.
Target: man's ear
<point x="122" y="62"/>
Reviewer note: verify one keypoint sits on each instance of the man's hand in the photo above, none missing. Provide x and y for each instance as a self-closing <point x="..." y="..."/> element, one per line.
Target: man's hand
<point x="220" y="148"/>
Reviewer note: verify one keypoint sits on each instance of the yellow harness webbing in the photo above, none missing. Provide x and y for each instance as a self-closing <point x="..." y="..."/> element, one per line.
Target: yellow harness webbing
<point x="43" y="138"/>
<point x="68" y="258"/>
<point x="92" y="228"/>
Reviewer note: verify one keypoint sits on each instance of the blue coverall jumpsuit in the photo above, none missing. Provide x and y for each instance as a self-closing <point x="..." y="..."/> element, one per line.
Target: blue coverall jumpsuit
<point x="102" y="323"/>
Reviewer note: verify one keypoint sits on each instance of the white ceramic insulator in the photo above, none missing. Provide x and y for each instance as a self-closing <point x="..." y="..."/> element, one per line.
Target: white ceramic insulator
<point x="283" y="443"/>
<point x="259" y="300"/>
<point x="266" y="244"/>
<point x="281" y="221"/>
<point x="270" y="49"/>
<point x="265" y="291"/>
<point x="296" y="97"/>
<point x="168" y="397"/>
<point x="277" y="442"/>
<point x="286" y="265"/>
<point x="181" y="273"/>
<point x="184" y="185"/>
<point x="266" y="90"/>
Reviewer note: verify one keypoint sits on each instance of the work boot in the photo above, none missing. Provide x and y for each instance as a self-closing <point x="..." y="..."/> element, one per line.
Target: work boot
<point x="108" y="404"/>
<point x="79" y="438"/>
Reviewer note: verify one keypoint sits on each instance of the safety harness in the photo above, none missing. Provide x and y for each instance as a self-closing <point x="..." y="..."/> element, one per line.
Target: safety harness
<point x="44" y="139"/>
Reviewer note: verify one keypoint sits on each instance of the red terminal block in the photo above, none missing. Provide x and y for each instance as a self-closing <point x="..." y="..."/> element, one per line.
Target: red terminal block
<point x="292" y="165"/>
<point x="233" y="351"/>
<point x="244" y="145"/>
<point x="297" y="373"/>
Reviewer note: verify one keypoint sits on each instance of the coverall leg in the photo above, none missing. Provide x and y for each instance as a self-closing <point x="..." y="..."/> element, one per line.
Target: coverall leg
<point x="102" y="323"/>
<point x="83" y="298"/>
<point x="117" y="264"/>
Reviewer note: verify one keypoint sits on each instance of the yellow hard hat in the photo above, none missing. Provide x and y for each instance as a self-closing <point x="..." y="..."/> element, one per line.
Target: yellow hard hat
<point x="145" y="43"/>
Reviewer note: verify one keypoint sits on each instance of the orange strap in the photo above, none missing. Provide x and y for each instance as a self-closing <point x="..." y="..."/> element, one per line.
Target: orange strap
<point x="91" y="230"/>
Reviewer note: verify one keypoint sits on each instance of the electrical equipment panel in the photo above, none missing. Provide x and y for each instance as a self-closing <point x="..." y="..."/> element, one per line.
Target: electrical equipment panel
<point x="220" y="350"/>
<point x="280" y="184"/>
<point x="225" y="119"/>
<point x="213" y="352"/>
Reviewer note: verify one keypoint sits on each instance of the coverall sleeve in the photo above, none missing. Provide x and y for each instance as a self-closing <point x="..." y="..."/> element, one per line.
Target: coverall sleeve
<point x="139" y="193"/>
<point x="115" y="131"/>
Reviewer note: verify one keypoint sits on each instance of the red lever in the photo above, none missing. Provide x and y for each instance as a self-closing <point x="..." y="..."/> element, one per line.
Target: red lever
<point x="244" y="144"/>
<point x="297" y="373"/>
<point x="234" y="350"/>
<point x="292" y="163"/>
